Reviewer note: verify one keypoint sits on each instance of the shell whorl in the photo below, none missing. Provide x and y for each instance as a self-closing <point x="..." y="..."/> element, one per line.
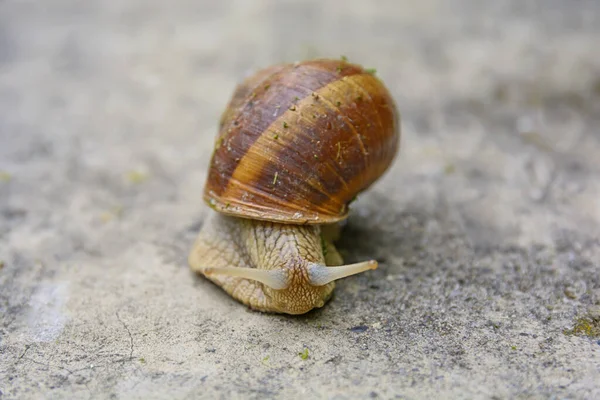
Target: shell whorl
<point x="298" y="142"/>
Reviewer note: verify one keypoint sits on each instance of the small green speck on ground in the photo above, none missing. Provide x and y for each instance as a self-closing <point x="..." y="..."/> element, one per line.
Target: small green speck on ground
<point x="513" y="348"/>
<point x="114" y="213"/>
<point x="142" y="360"/>
<point x="304" y="354"/>
<point x="1" y="264"/>
<point x="265" y="360"/>
<point x="4" y="176"/>
<point x="449" y="169"/>
<point x="137" y="177"/>
<point x="585" y="326"/>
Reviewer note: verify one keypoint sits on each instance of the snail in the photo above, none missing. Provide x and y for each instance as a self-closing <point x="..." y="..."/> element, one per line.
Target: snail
<point x="296" y="144"/>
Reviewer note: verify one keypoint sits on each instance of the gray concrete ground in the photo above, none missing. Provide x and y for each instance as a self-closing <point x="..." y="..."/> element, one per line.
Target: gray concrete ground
<point x="487" y="226"/>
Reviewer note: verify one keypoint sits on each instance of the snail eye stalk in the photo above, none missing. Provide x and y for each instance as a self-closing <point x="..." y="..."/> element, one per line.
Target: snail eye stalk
<point x="320" y="275"/>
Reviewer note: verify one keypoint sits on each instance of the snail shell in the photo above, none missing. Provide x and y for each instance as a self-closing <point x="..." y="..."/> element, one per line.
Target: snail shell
<point x="298" y="142"/>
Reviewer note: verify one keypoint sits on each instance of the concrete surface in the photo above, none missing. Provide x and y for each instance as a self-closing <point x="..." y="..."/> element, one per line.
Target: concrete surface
<point x="487" y="226"/>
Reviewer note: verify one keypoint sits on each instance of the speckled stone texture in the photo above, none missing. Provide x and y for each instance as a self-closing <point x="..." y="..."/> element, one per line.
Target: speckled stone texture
<point x="487" y="226"/>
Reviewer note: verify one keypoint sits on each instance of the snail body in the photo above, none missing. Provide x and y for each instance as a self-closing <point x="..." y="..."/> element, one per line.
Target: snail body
<point x="296" y="144"/>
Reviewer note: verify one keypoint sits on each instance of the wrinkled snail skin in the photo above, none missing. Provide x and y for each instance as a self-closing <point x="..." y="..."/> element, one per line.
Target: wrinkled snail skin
<point x="296" y="144"/>
<point x="226" y="241"/>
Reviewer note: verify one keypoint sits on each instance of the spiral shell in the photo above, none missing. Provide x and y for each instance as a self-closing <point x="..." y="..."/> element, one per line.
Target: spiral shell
<point x="298" y="142"/>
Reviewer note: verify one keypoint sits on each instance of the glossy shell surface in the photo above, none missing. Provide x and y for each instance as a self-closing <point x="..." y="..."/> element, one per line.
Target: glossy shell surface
<point x="298" y="142"/>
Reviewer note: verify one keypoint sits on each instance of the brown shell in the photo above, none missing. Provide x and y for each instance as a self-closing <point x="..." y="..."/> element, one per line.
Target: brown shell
<point x="298" y="142"/>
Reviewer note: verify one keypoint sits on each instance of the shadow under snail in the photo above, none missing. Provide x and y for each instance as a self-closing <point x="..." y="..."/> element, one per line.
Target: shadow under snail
<point x="297" y="143"/>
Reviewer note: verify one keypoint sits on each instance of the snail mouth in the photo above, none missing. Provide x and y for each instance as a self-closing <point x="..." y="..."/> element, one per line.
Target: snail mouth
<point x="299" y="304"/>
<point x="303" y="302"/>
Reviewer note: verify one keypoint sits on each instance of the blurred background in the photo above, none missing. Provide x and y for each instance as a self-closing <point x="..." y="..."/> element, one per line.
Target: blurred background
<point x="108" y="110"/>
<point x="99" y="90"/>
